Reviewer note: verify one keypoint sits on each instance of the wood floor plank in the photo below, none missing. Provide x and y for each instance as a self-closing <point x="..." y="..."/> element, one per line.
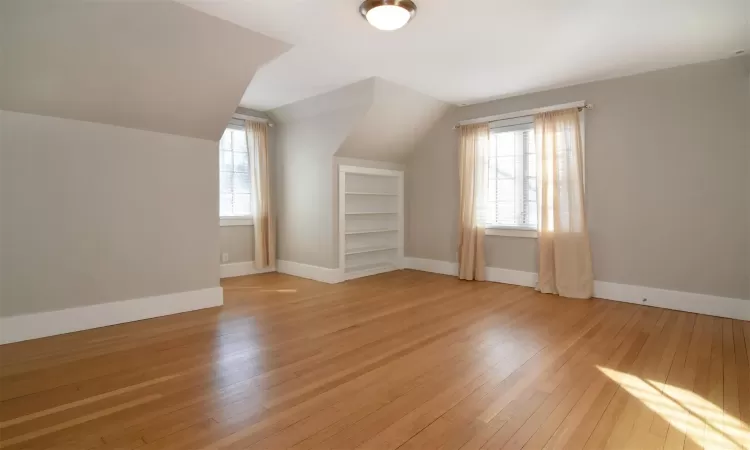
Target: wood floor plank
<point x="616" y="404"/>
<point x="633" y="425"/>
<point x="618" y="352"/>
<point x="405" y="360"/>
<point x="716" y="380"/>
<point x="407" y="426"/>
<point x="684" y="377"/>
<point x="702" y="377"/>
<point x="743" y="372"/>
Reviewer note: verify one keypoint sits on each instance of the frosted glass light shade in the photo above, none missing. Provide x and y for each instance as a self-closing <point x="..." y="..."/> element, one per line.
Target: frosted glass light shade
<point x="388" y="15"/>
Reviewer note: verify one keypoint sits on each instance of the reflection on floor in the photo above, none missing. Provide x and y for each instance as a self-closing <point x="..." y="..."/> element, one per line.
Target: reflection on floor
<point x="685" y="412"/>
<point x="405" y="360"/>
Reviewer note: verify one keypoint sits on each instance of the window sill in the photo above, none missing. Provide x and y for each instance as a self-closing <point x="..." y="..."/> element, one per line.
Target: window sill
<point x="235" y="221"/>
<point x="510" y="232"/>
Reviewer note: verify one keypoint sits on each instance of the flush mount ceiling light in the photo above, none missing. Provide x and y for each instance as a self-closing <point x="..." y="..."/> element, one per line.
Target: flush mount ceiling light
<point x="388" y="15"/>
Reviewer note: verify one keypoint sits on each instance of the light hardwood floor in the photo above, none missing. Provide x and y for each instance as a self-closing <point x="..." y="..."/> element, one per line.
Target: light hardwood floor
<point x="405" y="360"/>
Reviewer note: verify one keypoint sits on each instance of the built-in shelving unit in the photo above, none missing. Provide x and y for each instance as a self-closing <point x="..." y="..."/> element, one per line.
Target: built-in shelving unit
<point x="371" y="221"/>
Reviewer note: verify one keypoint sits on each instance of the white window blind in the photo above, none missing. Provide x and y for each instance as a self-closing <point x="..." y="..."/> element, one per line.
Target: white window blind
<point x="234" y="173"/>
<point x="511" y="169"/>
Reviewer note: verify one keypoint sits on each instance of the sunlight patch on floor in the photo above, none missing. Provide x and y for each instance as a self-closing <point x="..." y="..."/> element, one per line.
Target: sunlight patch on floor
<point x="697" y="418"/>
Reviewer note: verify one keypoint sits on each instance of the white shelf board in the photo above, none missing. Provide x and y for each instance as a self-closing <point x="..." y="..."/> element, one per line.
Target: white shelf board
<point x="382" y="230"/>
<point x="371" y="193"/>
<point x="369" y="266"/>
<point x="356" y="251"/>
<point x="369" y="212"/>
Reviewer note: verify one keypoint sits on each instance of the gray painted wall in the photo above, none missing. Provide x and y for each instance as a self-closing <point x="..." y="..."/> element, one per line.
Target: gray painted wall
<point x="237" y="242"/>
<point x="668" y="180"/>
<point x="93" y="213"/>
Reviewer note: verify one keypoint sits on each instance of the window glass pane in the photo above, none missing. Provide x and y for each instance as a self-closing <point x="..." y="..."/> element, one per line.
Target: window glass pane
<point x="505" y="213"/>
<point x="242" y="204"/>
<point x="512" y="169"/>
<point x="225" y="205"/>
<point x="531" y="188"/>
<point x="225" y="161"/>
<point x="225" y="182"/>
<point x="241" y="162"/>
<point x="506" y="190"/>
<point x="491" y="213"/>
<point x="505" y="167"/>
<point x="234" y="179"/>
<point x="529" y="144"/>
<point x="531" y="164"/>
<point x="491" y="196"/>
<point x="532" y="218"/>
<point x="241" y="183"/>
<point x="225" y="144"/>
<point x="505" y="144"/>
<point x="239" y="141"/>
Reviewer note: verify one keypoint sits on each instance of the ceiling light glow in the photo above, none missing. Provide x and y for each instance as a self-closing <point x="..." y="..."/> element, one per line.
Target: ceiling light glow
<point x="388" y="15"/>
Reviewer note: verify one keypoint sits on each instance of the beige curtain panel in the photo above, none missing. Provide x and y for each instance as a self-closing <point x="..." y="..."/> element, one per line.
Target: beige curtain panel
<point x="475" y="141"/>
<point x="264" y="227"/>
<point x="564" y="251"/>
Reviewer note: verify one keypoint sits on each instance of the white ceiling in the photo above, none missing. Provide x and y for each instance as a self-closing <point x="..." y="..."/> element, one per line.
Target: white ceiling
<point x="465" y="51"/>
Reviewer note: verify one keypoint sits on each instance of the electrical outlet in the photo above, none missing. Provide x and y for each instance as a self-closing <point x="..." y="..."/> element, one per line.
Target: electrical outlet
<point x="225" y="257"/>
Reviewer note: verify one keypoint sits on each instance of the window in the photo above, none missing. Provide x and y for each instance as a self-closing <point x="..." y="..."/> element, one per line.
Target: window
<point x="512" y="184"/>
<point x="234" y="177"/>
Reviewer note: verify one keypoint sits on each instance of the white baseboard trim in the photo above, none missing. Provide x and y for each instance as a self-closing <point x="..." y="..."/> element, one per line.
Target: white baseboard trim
<point x="50" y="323"/>
<point x="494" y="274"/>
<point x="240" y="269"/>
<point x="317" y="273"/>
<point x="368" y="272"/>
<point x="431" y="265"/>
<point x="711" y="305"/>
<point x="508" y="276"/>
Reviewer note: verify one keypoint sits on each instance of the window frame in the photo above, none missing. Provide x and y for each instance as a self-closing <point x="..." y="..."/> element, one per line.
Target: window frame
<point x="525" y="232"/>
<point x="500" y="230"/>
<point x="234" y="221"/>
<point x="511" y="124"/>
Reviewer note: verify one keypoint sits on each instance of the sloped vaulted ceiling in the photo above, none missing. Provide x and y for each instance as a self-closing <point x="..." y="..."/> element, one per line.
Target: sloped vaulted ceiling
<point x="155" y="65"/>
<point x="356" y="96"/>
<point x="372" y="119"/>
<point x="389" y="131"/>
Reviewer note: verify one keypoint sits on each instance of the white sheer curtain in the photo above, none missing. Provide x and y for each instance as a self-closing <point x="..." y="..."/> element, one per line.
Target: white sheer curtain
<point x="264" y="226"/>
<point x="564" y="251"/>
<point x="475" y="142"/>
